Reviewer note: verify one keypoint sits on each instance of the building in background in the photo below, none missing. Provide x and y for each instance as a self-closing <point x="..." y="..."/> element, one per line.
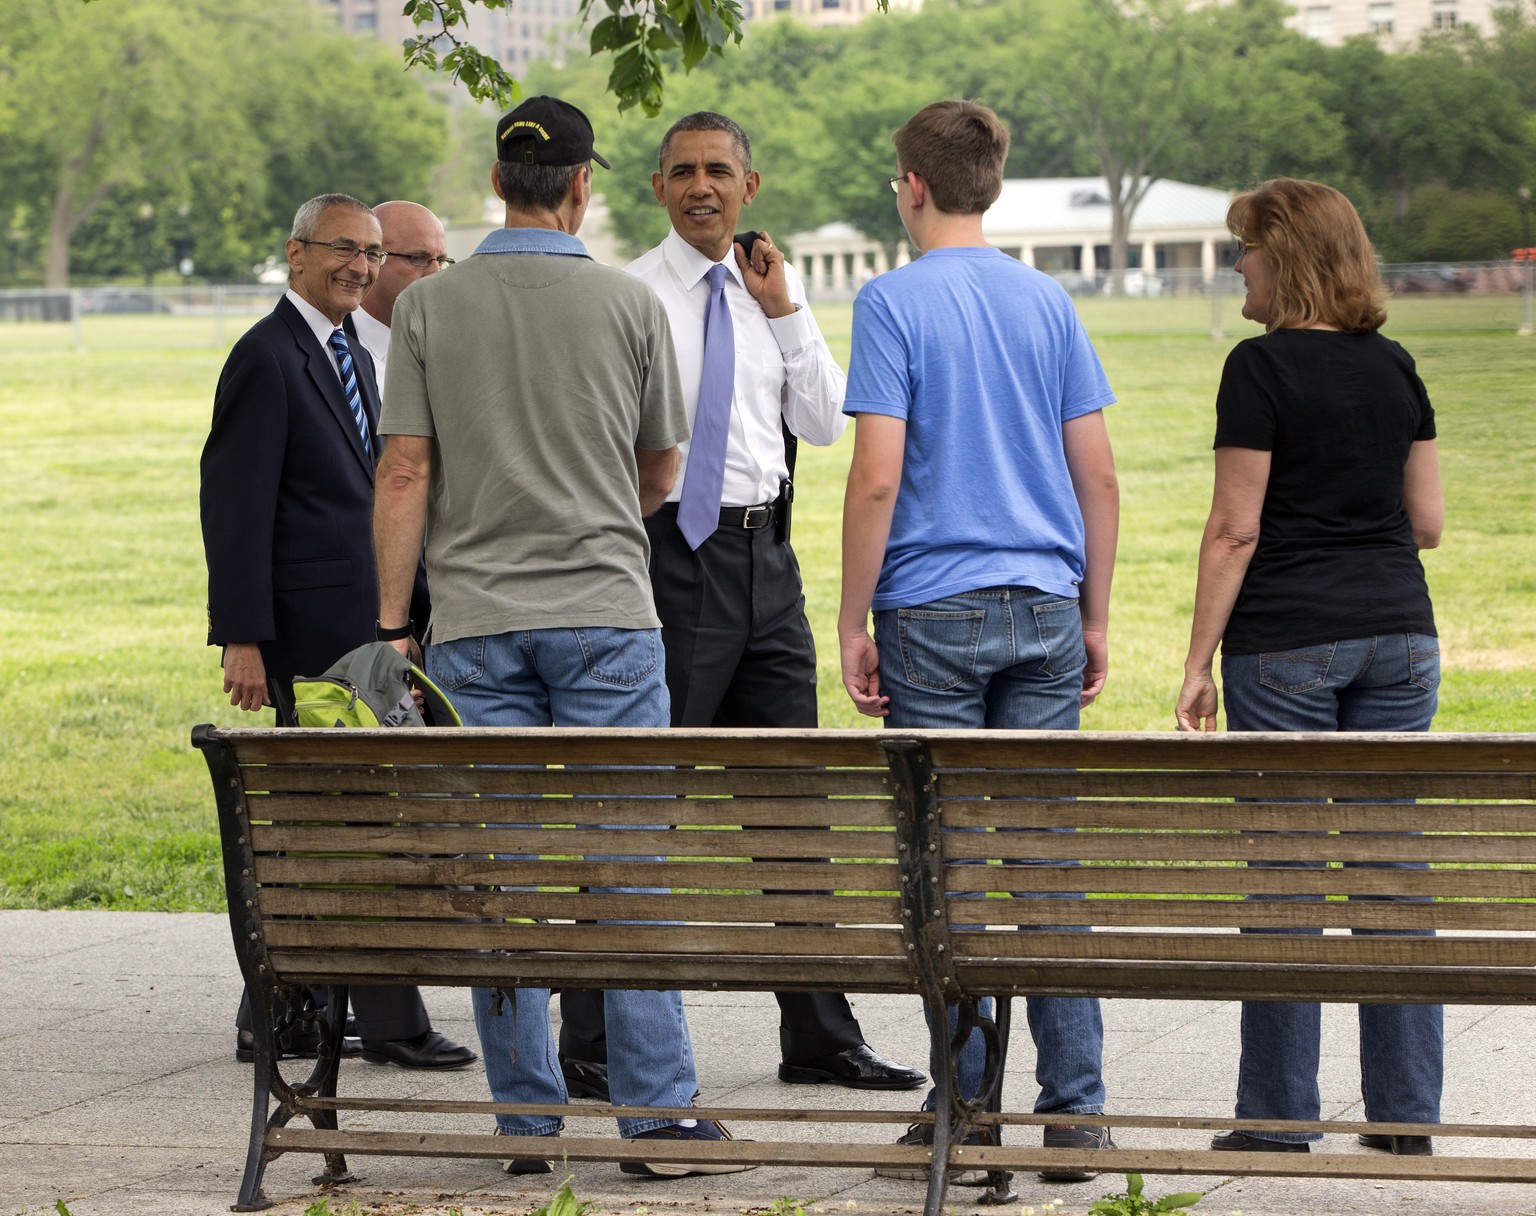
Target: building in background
<point x="1395" y="24"/>
<point x="529" y="30"/>
<point x="539" y="29"/>
<point x="820" y="12"/>
<point x="1179" y="238"/>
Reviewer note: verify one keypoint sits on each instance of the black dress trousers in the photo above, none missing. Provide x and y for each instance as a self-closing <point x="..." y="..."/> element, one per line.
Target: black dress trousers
<point x="739" y="652"/>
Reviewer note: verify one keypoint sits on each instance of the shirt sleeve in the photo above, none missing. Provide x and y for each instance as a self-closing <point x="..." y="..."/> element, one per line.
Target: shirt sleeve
<point x="1084" y="388"/>
<point x="879" y="375"/>
<point x="814" y="385"/>
<point x="1245" y="402"/>
<point x="241" y="475"/>
<point x="663" y="418"/>
<point x="407" y="408"/>
<point x="1426" y="427"/>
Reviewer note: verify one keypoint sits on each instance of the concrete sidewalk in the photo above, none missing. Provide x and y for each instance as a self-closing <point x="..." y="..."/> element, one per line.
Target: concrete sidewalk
<point x="120" y="1095"/>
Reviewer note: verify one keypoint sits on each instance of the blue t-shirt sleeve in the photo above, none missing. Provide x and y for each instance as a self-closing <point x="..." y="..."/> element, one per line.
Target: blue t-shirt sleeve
<point x="1084" y="386"/>
<point x="879" y="374"/>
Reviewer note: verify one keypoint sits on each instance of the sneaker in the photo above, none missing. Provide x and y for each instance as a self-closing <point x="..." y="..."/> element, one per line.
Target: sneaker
<point x="706" y="1129"/>
<point x="921" y="1134"/>
<point x="526" y="1165"/>
<point x="1068" y="1135"/>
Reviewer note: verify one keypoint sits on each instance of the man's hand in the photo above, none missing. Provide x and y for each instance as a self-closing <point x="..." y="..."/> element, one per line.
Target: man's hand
<point x="861" y="674"/>
<point x="762" y="270"/>
<point x="1096" y="670"/>
<point x="245" y="676"/>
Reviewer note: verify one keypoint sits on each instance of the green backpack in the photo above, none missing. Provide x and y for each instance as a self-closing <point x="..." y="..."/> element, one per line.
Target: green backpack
<point x="371" y="686"/>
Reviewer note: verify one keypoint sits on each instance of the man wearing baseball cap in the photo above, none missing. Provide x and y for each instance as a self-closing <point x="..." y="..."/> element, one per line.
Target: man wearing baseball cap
<point x="528" y="468"/>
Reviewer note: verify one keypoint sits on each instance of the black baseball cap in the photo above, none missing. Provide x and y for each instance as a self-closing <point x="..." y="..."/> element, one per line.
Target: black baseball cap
<point x="546" y="131"/>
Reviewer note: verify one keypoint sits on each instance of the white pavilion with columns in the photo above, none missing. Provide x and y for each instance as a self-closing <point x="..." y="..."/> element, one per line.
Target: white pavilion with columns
<point x="1057" y="224"/>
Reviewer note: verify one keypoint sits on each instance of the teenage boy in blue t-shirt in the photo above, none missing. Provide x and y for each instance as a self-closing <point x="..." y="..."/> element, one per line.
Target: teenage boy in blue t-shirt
<point x="981" y="515"/>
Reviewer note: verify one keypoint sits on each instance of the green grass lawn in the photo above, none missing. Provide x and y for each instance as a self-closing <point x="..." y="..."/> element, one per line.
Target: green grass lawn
<point x="103" y="803"/>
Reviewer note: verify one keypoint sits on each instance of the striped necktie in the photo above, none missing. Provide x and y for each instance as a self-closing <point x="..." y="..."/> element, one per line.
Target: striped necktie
<point x="349" y="385"/>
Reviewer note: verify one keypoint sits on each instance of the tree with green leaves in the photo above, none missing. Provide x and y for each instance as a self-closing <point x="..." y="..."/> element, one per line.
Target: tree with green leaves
<point x="132" y="132"/>
<point x="639" y="40"/>
<point x="1423" y="117"/>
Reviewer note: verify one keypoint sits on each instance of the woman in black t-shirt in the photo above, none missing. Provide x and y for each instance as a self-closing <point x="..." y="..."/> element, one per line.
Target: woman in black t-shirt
<point x="1327" y="486"/>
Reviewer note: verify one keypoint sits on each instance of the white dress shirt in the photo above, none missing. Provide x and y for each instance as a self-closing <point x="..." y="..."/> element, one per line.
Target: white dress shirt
<point x="783" y="368"/>
<point x="321" y="325"/>
<point x="373" y="334"/>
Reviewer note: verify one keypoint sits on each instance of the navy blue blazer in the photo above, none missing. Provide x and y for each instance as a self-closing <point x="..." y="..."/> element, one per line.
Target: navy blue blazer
<point x="287" y="500"/>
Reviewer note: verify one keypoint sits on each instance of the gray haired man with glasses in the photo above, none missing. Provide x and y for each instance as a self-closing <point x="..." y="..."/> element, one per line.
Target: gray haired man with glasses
<point x="417" y="247"/>
<point x="287" y="508"/>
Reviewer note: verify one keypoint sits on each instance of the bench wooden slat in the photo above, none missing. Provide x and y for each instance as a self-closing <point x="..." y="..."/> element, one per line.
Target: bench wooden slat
<point x="543" y="840"/>
<point x="1191" y="816"/>
<point x="1517" y="955"/>
<point x="653" y="940"/>
<point x="721" y="909"/>
<point x="1235" y="846"/>
<point x="1257" y="751"/>
<point x="572" y="745"/>
<point x="811" y="812"/>
<point x="1129" y="783"/>
<point x="1251" y="914"/>
<point x="582" y="1148"/>
<point x="1182" y="979"/>
<point x="580" y="969"/>
<point x="586" y="782"/>
<point x="864" y="875"/>
<point x="1231" y="878"/>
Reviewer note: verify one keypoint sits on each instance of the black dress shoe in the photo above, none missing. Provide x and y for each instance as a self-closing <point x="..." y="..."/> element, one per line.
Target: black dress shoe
<point x="1242" y="1142"/>
<point x="304" y="1046"/>
<point x="857" y="1068"/>
<point x="1399" y="1146"/>
<point x="585" y="1078"/>
<point x="426" y="1050"/>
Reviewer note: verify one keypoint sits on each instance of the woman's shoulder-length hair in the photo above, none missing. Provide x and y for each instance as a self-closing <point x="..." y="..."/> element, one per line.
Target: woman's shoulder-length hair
<point x="1321" y="262"/>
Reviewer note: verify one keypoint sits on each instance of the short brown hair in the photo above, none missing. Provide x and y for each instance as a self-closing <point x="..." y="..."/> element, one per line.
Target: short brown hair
<point x="535" y="188"/>
<point x="958" y="148"/>
<point x="1323" y="265"/>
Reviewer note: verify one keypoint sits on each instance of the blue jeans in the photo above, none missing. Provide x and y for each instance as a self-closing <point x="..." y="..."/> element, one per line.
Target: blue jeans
<point x="1006" y="658"/>
<point x="1385" y="683"/>
<point x="570" y="677"/>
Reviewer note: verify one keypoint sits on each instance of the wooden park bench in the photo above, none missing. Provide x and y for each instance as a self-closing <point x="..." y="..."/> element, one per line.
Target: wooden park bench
<point x="865" y="859"/>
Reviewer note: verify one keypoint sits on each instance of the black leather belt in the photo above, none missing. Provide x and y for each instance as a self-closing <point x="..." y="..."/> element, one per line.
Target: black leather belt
<point x="751" y="518"/>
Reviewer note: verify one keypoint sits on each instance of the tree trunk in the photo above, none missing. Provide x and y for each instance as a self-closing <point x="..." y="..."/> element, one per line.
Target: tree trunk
<point x="61" y="227"/>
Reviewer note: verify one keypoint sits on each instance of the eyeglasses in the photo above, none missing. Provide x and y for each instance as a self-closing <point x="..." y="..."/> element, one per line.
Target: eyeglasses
<point x="896" y="183"/>
<point x="346" y="250"/>
<point x="1241" y="247"/>
<point x="420" y="261"/>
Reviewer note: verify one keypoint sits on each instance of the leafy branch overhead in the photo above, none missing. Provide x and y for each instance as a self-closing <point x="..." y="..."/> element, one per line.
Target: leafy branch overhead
<point x="635" y="34"/>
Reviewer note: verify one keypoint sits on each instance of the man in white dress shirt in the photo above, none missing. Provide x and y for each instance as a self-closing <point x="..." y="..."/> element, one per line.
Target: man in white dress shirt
<point x="739" y="650"/>
<point x="417" y="246"/>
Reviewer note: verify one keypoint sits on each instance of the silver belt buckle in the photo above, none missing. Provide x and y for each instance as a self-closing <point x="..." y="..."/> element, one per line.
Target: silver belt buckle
<point x="747" y="517"/>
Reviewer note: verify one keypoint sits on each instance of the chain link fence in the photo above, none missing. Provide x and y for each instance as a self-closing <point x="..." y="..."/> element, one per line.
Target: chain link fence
<point x="1472" y="296"/>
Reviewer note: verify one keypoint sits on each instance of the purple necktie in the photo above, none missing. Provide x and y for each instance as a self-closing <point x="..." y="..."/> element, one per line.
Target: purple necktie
<point x="698" y="511"/>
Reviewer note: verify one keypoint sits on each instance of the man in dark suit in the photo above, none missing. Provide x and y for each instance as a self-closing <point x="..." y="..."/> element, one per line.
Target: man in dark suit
<point x="287" y="503"/>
